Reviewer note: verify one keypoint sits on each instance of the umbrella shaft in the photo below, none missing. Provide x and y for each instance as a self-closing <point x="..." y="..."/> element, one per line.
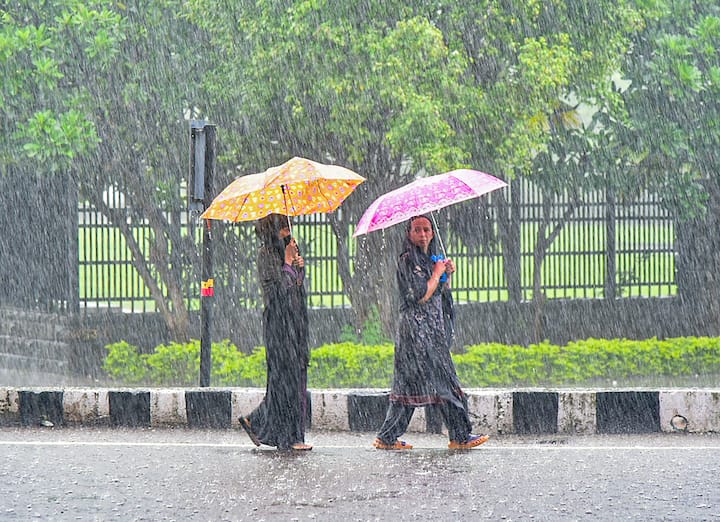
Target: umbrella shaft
<point x="437" y="234"/>
<point x="287" y="211"/>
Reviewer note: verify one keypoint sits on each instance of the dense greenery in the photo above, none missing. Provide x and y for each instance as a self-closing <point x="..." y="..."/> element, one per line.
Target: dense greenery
<point x="348" y="365"/>
<point x="98" y="91"/>
<point x="397" y="89"/>
<point x="609" y="95"/>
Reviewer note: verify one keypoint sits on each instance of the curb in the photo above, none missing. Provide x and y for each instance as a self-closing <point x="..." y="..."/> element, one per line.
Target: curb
<point x="520" y="412"/>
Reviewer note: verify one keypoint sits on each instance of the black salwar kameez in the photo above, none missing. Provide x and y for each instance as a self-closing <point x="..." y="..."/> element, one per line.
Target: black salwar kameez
<point x="424" y="373"/>
<point x="280" y="419"/>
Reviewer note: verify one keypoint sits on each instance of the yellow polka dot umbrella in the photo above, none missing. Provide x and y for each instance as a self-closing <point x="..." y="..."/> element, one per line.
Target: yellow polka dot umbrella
<point x="297" y="187"/>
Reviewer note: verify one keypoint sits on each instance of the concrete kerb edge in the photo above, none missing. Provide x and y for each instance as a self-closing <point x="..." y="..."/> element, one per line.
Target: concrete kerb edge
<point x="491" y="409"/>
<point x="85" y="406"/>
<point x="168" y="407"/>
<point x="9" y="406"/>
<point x="698" y="411"/>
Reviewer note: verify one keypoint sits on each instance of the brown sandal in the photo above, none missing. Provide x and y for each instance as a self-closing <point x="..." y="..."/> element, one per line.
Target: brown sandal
<point x="245" y="423"/>
<point x="301" y="446"/>
<point x="397" y="445"/>
<point x="471" y="442"/>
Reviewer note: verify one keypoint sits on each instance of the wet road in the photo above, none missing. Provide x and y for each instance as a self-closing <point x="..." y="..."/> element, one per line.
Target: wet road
<point x="112" y="474"/>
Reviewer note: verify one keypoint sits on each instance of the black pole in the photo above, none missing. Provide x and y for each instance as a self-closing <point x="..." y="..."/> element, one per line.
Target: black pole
<point x="206" y="308"/>
<point x="208" y="290"/>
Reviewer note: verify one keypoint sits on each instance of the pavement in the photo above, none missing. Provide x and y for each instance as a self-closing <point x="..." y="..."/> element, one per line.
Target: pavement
<point x="155" y="474"/>
<point x="493" y="411"/>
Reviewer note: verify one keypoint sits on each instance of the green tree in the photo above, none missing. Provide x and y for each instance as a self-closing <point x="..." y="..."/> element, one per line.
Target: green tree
<point x="99" y="91"/>
<point x="399" y="89"/>
<point x="673" y="129"/>
<point x="535" y="64"/>
<point x="46" y="108"/>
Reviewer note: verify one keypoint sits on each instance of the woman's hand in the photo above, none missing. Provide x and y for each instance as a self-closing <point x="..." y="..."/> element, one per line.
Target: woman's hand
<point x="292" y="253"/>
<point x="439" y="268"/>
<point x="434" y="281"/>
<point x="449" y="267"/>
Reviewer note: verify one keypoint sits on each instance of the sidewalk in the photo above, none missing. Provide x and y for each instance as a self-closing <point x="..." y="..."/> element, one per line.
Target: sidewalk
<point x="493" y="411"/>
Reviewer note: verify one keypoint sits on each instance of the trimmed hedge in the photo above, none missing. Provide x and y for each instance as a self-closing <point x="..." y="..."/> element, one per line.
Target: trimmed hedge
<point x="350" y="365"/>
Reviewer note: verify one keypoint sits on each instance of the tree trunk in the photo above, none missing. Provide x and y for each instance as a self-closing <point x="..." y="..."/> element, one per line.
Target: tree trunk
<point x="373" y="282"/>
<point x="543" y="241"/>
<point x="172" y="308"/>
<point x="509" y="232"/>
<point x="698" y="264"/>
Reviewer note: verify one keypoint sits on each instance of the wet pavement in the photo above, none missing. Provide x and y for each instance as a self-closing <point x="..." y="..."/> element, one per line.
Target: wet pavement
<point x="180" y="474"/>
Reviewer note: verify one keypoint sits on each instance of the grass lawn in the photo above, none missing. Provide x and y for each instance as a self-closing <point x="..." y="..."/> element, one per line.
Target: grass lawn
<point x="575" y="266"/>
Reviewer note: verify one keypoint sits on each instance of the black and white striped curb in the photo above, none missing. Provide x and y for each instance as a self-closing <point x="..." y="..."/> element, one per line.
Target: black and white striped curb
<point x="492" y="411"/>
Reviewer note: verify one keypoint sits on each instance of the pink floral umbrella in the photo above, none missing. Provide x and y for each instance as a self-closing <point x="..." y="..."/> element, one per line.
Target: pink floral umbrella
<point x="426" y="195"/>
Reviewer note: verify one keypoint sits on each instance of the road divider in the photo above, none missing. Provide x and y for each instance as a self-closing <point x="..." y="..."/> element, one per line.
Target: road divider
<point x="524" y="411"/>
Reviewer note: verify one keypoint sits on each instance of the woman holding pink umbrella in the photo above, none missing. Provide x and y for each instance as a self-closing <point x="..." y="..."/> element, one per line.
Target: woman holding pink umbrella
<point x="424" y="373"/>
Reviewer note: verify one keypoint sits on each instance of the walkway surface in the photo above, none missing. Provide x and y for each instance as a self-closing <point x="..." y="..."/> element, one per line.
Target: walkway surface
<point x="81" y="473"/>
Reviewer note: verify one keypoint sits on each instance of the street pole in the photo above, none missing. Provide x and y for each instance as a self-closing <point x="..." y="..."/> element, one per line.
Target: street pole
<point x="200" y="191"/>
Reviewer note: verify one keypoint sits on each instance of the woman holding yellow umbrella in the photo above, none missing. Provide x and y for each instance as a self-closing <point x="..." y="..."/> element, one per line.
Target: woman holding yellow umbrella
<point x="280" y="419"/>
<point x="297" y="187"/>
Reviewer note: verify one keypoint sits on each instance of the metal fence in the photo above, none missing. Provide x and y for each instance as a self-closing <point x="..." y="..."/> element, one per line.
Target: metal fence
<point x="605" y="250"/>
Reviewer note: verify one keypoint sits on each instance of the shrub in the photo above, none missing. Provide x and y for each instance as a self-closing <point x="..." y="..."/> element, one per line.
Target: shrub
<point x="348" y="365"/>
<point x="124" y="363"/>
<point x="352" y="365"/>
<point x="178" y="364"/>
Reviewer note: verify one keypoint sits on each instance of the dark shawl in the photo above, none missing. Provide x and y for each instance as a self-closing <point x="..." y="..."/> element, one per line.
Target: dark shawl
<point x="279" y="420"/>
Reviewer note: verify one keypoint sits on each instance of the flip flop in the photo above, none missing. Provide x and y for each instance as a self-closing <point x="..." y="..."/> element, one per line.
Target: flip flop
<point x="397" y="445"/>
<point x="471" y="442"/>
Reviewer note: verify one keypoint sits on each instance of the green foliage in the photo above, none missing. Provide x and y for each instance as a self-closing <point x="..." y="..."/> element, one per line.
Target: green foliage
<point x="587" y="361"/>
<point x="672" y="74"/>
<point x="349" y="365"/>
<point x="124" y="363"/>
<point x="175" y="363"/>
<point x="46" y="69"/>
<point x="253" y="368"/>
<point x="98" y="90"/>
<point x="178" y="364"/>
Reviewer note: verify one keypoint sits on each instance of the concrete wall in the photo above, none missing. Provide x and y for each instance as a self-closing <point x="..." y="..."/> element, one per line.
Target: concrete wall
<point x="561" y="321"/>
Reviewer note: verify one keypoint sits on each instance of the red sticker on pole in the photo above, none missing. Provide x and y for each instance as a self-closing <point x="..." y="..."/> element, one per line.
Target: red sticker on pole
<point x="207" y="288"/>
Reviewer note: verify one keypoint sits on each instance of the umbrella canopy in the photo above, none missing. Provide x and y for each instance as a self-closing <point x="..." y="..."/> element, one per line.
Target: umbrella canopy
<point x="426" y="195"/>
<point x="297" y="187"/>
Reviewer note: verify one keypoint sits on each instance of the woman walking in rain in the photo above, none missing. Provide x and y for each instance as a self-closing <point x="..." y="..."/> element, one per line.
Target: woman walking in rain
<point x="280" y="419"/>
<point x="424" y="372"/>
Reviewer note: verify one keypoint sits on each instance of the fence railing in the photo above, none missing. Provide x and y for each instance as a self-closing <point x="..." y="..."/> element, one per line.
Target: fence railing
<point x="605" y="250"/>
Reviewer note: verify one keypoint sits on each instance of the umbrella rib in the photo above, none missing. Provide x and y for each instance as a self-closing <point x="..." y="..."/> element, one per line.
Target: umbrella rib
<point x="324" y="197"/>
<point x="247" y="196"/>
